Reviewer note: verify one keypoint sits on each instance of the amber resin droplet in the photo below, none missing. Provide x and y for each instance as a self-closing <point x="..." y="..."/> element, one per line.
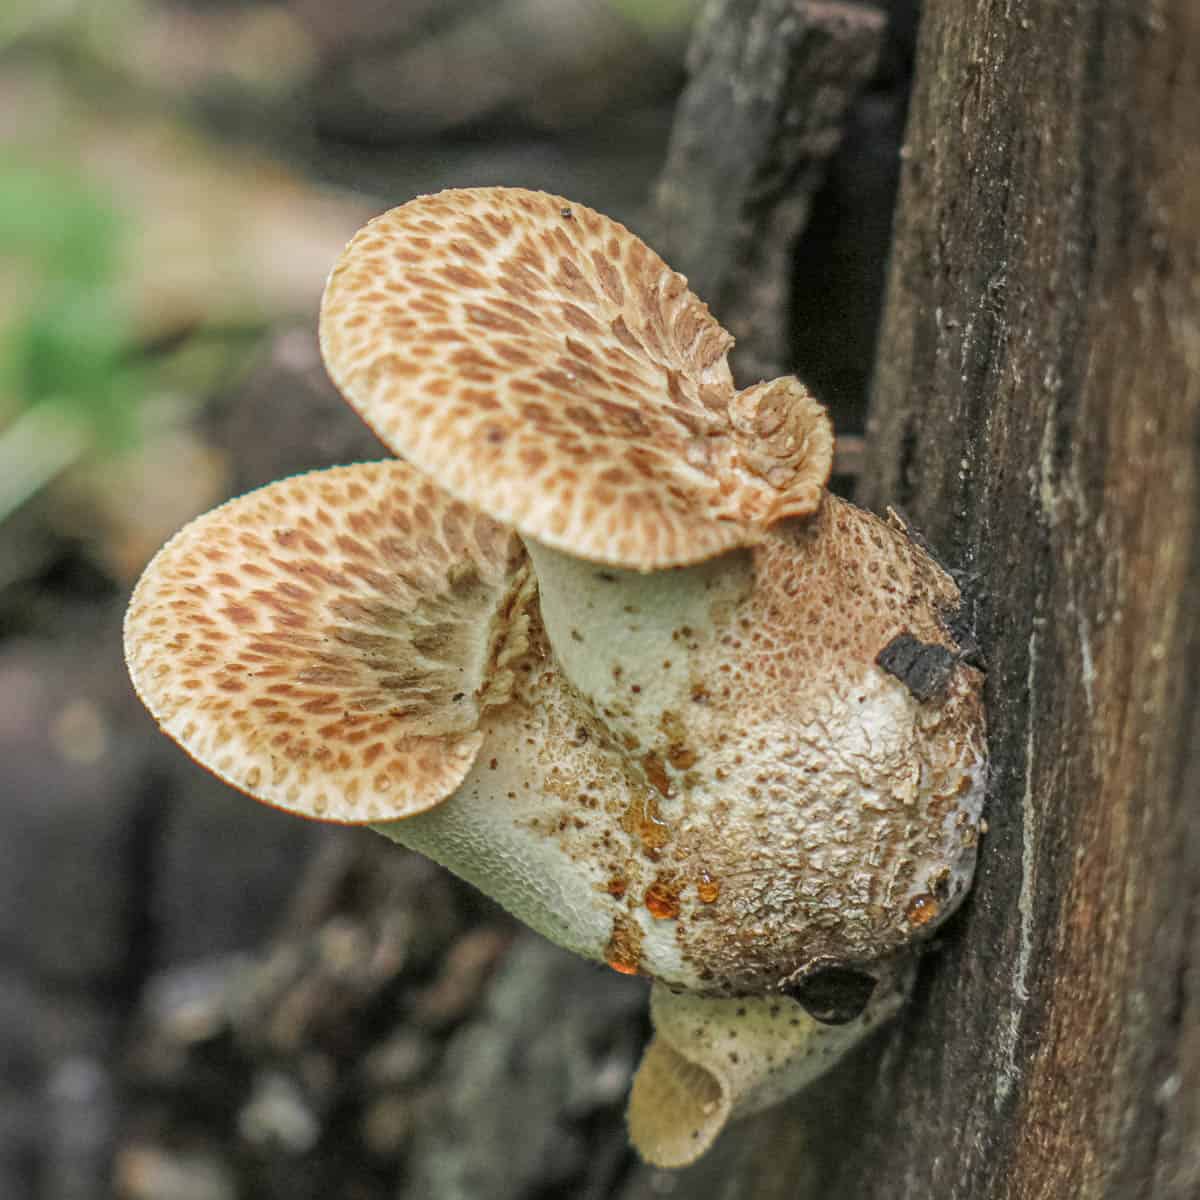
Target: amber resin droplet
<point x="921" y="910"/>
<point x="662" y="900"/>
<point x="643" y="819"/>
<point x="708" y="888"/>
<point x="656" y="773"/>
<point x="624" y="950"/>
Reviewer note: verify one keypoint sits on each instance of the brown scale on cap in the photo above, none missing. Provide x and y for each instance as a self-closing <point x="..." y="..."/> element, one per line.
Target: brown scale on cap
<point x="323" y="643"/>
<point x="542" y="363"/>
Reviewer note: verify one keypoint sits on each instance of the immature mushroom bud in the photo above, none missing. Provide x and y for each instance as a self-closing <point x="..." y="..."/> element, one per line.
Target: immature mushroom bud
<point x="712" y="1057"/>
<point x="700" y="720"/>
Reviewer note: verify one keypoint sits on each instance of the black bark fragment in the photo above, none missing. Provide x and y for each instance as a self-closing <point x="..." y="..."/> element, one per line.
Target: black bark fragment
<point x="923" y="667"/>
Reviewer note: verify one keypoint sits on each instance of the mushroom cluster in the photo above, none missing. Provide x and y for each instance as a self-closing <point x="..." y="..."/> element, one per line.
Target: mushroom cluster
<point x="600" y="642"/>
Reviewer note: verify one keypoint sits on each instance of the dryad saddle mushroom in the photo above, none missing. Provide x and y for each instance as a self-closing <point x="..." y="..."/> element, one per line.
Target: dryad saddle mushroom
<point x="600" y="642"/>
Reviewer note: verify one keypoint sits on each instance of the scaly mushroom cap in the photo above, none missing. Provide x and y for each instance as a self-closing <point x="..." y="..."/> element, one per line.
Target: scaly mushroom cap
<point x="542" y="364"/>
<point x="327" y="643"/>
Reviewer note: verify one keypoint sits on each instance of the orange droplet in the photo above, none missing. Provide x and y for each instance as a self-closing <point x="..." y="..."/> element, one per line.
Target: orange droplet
<point x="622" y="967"/>
<point x="708" y="888"/>
<point x="643" y="820"/>
<point x="921" y="910"/>
<point x="624" y="950"/>
<point x="616" y="886"/>
<point x="662" y="901"/>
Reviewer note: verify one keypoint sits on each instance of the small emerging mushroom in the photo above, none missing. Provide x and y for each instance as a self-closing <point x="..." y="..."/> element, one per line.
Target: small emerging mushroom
<point x="602" y="644"/>
<point x="712" y="1057"/>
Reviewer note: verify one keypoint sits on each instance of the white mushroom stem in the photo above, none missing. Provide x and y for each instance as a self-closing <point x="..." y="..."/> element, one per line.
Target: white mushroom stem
<point x="489" y="834"/>
<point x="536" y="824"/>
<point x="630" y="641"/>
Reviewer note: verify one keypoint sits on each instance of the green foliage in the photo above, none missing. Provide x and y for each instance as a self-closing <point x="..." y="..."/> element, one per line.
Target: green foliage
<point x="58" y="224"/>
<point x="72" y="351"/>
<point x="95" y="27"/>
<point x="658" y="16"/>
<point x="66" y="339"/>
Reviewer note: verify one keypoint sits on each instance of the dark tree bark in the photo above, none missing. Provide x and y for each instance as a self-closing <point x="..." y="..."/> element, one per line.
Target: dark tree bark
<point x="1037" y="415"/>
<point x="770" y="82"/>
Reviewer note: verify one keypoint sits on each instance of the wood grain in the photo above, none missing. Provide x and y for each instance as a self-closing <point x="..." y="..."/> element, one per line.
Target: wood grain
<point x="770" y="83"/>
<point x="1037" y="413"/>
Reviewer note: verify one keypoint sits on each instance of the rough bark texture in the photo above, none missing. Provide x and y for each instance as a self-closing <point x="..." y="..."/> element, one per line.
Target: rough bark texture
<point x="770" y="82"/>
<point x="1037" y="414"/>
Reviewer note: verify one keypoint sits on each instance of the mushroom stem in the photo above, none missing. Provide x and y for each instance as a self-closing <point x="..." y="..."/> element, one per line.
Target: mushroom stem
<point x="631" y="641"/>
<point x="530" y="826"/>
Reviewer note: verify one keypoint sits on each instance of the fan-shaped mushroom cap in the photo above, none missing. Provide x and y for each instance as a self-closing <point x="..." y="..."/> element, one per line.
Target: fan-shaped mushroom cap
<point x="545" y="366"/>
<point x="326" y="643"/>
<point x="715" y="1059"/>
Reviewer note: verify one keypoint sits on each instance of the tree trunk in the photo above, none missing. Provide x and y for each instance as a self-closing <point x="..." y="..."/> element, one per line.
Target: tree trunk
<point x="1037" y="415"/>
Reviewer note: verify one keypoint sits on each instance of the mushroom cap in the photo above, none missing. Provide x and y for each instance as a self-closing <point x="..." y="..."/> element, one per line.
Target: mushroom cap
<point x="326" y="643"/>
<point x="543" y="365"/>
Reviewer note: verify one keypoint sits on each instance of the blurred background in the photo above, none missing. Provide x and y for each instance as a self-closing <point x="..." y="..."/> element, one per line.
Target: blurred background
<point x="201" y="999"/>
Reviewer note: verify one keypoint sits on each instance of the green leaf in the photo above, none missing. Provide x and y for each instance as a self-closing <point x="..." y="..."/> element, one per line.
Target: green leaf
<point x="58" y="224"/>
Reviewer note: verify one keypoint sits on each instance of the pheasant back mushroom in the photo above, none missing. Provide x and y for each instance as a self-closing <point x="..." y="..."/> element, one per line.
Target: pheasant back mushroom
<point x="602" y="644"/>
<point x="544" y="365"/>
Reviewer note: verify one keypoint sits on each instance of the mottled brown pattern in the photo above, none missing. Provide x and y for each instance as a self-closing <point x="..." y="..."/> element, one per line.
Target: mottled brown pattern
<point x="324" y="643"/>
<point x="845" y="828"/>
<point x="827" y="795"/>
<point x="544" y="365"/>
<point x="831" y="592"/>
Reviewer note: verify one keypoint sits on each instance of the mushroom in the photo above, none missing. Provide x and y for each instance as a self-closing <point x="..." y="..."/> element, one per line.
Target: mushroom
<point x="696" y="717"/>
<point x="711" y="1057"/>
<point x="327" y="643"/>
